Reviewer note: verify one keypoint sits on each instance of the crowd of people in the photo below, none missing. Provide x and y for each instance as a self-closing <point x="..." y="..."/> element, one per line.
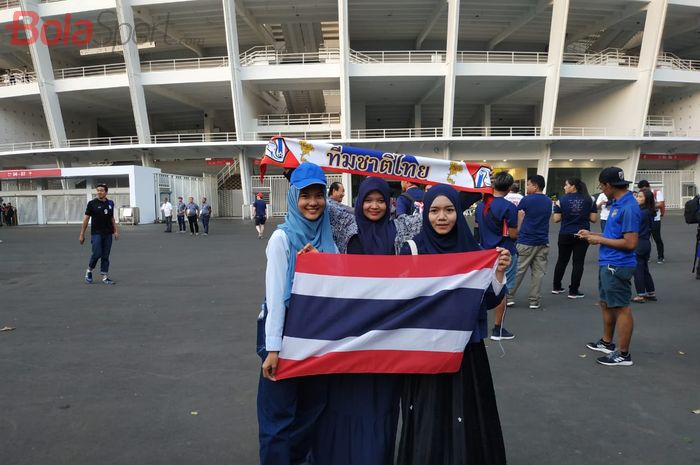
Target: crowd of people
<point x="187" y="213"/>
<point x="8" y="214"/>
<point x="450" y="418"/>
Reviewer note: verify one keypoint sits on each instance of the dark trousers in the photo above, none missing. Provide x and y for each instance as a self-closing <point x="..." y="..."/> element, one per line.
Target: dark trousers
<point x="205" y="223"/>
<point x="602" y="225"/>
<point x="168" y="224"/>
<point x="194" y="224"/>
<point x="101" y="247"/>
<point x="656" y="234"/>
<point x="181" y="223"/>
<point x="642" y="278"/>
<point x="568" y="245"/>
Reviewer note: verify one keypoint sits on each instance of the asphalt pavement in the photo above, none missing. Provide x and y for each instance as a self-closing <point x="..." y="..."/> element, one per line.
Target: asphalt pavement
<point x="161" y="368"/>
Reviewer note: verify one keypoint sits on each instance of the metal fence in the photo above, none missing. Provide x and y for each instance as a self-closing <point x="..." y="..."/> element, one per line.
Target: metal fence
<point x="274" y="190"/>
<point x="678" y="185"/>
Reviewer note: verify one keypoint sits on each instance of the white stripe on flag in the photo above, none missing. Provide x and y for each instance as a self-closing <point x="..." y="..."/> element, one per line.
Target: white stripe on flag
<point x="419" y="339"/>
<point x="351" y="287"/>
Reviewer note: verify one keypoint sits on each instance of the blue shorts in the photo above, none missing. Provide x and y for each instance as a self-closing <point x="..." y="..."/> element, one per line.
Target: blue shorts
<point x="615" y="285"/>
<point x="512" y="271"/>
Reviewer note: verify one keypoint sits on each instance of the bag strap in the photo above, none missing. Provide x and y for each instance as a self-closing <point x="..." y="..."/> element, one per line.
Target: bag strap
<point x="412" y="245"/>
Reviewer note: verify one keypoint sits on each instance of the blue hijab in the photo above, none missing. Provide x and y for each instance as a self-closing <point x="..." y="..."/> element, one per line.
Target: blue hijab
<point x="376" y="237"/>
<point x="301" y="231"/>
<point x="459" y="239"/>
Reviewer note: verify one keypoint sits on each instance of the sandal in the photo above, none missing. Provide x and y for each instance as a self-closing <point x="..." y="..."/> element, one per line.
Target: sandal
<point x="639" y="299"/>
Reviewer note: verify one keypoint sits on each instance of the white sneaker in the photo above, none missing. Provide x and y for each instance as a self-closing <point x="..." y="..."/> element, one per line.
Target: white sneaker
<point x="535" y="306"/>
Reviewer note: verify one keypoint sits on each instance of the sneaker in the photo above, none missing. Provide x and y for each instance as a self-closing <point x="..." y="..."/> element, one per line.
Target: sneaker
<point x="107" y="281"/>
<point x="88" y="277"/>
<point x="601" y="346"/>
<point x="501" y="333"/>
<point x="510" y="302"/>
<point x="660" y="261"/>
<point x="205" y="234"/>
<point x="535" y="306"/>
<point x="615" y="358"/>
<point x="558" y="291"/>
<point x="576" y="295"/>
<point x="196" y="234"/>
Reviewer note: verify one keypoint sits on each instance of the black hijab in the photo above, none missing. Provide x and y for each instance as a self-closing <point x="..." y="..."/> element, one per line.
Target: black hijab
<point x="375" y="237"/>
<point x="459" y="239"/>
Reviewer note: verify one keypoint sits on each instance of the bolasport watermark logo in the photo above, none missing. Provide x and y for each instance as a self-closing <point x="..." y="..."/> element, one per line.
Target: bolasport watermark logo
<point x="27" y="28"/>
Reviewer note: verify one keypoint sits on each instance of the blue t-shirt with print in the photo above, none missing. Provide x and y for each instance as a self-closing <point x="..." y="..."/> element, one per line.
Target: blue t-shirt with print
<point x="625" y="217"/>
<point x="491" y="224"/>
<point x="535" y="228"/>
<point x="575" y="210"/>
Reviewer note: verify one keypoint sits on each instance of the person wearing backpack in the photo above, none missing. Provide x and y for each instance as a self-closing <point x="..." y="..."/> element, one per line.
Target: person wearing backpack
<point x="411" y="199"/>
<point x="691" y="214"/>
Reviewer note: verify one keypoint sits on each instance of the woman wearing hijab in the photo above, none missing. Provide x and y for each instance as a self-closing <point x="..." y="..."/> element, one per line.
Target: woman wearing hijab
<point x="453" y="418"/>
<point x="288" y="409"/>
<point x="358" y="426"/>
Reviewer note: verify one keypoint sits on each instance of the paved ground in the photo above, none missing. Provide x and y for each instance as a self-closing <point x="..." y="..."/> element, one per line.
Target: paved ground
<point x="161" y="369"/>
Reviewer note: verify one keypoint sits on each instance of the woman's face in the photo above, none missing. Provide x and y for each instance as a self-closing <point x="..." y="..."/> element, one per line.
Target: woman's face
<point x="442" y="215"/>
<point x="568" y="188"/>
<point x="640" y="198"/>
<point x="374" y="206"/>
<point x="312" y="202"/>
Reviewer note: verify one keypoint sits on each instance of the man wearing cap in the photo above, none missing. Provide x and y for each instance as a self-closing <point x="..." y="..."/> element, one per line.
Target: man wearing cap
<point x="259" y="210"/>
<point x="617" y="263"/>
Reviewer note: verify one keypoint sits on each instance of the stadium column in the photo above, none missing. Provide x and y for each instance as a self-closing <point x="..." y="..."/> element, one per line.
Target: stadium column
<point x="448" y="110"/>
<point x="417" y="119"/>
<point x="41" y="59"/>
<point x="648" y="58"/>
<point x="555" y="56"/>
<point x="344" y="42"/>
<point x="234" y="62"/>
<point x="244" y="169"/>
<point x="125" y="15"/>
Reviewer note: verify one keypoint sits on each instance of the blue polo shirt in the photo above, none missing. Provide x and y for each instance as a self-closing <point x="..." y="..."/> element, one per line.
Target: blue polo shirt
<point x="535" y="228"/>
<point x="625" y="216"/>
<point x="491" y="224"/>
<point x="575" y="210"/>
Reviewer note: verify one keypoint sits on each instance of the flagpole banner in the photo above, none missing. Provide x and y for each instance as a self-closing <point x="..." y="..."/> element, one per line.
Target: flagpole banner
<point x="290" y="153"/>
<point x="382" y="314"/>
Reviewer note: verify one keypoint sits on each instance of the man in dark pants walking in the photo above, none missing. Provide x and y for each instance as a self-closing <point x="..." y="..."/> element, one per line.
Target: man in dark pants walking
<point x="181" y="227"/>
<point x="104" y="227"/>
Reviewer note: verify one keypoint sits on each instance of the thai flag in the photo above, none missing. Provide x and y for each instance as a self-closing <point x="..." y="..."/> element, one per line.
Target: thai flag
<point x="382" y="314"/>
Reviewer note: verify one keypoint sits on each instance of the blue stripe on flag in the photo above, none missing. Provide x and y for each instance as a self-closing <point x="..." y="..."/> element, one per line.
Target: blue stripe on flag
<point x="333" y="319"/>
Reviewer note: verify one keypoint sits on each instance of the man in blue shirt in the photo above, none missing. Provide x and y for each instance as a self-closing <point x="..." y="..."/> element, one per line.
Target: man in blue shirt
<point x="617" y="263"/>
<point x="259" y="208"/>
<point x="534" y="212"/>
<point x="411" y="199"/>
<point x="498" y="227"/>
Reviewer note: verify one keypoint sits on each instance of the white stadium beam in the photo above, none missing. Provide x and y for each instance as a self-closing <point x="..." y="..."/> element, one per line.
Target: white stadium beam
<point x="448" y="110"/>
<point x="234" y="61"/>
<point x="344" y="43"/>
<point x="516" y="25"/>
<point x="41" y="58"/>
<point x="264" y="36"/>
<point x="133" y="70"/>
<point x="144" y="15"/>
<point x="430" y="24"/>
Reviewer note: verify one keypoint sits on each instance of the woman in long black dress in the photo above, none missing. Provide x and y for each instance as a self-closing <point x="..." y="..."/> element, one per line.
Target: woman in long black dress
<point x="453" y="418"/>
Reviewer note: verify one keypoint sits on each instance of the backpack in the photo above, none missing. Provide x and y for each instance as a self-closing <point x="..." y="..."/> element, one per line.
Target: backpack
<point x="415" y="204"/>
<point x="691" y="212"/>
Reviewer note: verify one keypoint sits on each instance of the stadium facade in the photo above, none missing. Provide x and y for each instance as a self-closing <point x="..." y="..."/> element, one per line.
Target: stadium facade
<point x="557" y="87"/>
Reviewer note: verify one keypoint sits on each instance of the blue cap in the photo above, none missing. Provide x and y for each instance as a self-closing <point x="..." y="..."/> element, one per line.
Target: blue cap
<point x="306" y="175"/>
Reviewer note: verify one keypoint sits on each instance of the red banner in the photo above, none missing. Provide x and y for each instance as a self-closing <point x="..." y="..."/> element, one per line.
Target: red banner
<point x="670" y="156"/>
<point x="25" y="174"/>
<point x="221" y="161"/>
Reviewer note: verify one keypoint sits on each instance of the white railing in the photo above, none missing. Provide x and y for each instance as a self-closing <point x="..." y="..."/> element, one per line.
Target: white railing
<point x="309" y="135"/>
<point x="566" y="131"/>
<point x="225" y="173"/>
<point x="496" y="131"/>
<point x="186" y="63"/>
<point x="398" y="56"/>
<point x="21" y="146"/>
<point x="671" y="61"/>
<point x="88" y="71"/>
<point x="395" y="133"/>
<point x="670" y="132"/>
<point x="16" y="76"/>
<point x="501" y="57"/>
<point x="8" y="4"/>
<point x="270" y="56"/>
<point x="298" y="119"/>
<point x="193" y="138"/>
<point x="608" y="57"/>
<point x="102" y="141"/>
<point x="660" y="120"/>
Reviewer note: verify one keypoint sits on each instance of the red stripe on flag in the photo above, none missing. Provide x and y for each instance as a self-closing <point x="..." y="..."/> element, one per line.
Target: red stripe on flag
<point x="372" y="361"/>
<point x="390" y="266"/>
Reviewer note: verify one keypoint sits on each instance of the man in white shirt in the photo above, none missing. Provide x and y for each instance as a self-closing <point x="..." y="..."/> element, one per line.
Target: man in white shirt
<point x="656" y="225"/>
<point x="167" y="209"/>
<point x="602" y="204"/>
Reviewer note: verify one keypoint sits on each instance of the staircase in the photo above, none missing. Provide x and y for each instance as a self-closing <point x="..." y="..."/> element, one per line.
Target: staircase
<point x="225" y="174"/>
